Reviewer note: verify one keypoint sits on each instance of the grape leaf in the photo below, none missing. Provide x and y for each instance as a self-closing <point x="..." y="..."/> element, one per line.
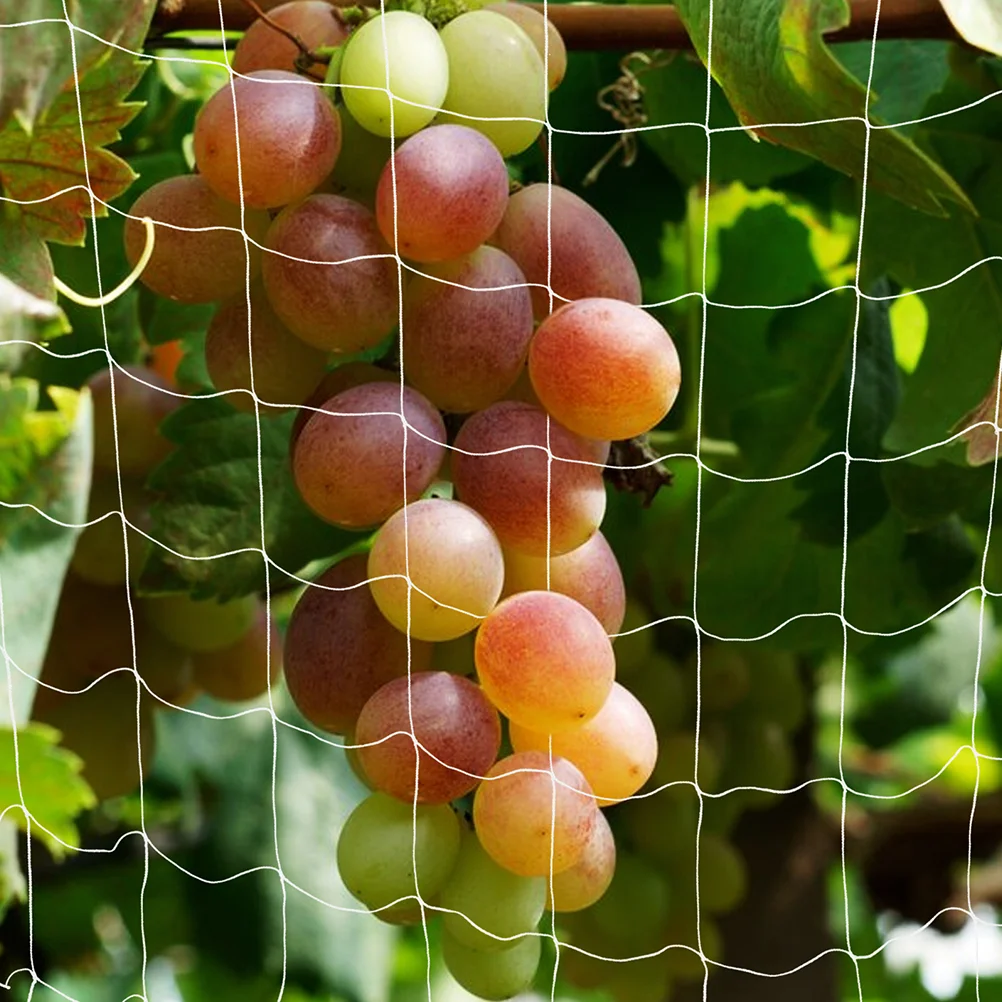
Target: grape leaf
<point x="50" y="168"/>
<point x="29" y="85"/>
<point x="210" y="505"/>
<point x="771" y="61"/>
<point x="54" y="791"/>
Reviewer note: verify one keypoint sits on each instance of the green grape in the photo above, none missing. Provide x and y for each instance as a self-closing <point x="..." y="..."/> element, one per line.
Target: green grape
<point x="723" y="879"/>
<point x="680" y="931"/>
<point x="418" y="68"/>
<point x="635" y="906"/>
<point x="495" y="73"/>
<point x="759" y="754"/>
<point x="99" y="556"/>
<point x="661" y="827"/>
<point x="243" y="670"/>
<point x="378" y="847"/>
<point x="644" y="980"/>
<point x="636" y="649"/>
<point x="777" y="691"/>
<point x="501" y="903"/>
<point x="677" y="761"/>
<point x="552" y="50"/>
<point x="201" y="625"/>
<point x="724" y="676"/>
<point x="661" y="686"/>
<point x="493" y="975"/>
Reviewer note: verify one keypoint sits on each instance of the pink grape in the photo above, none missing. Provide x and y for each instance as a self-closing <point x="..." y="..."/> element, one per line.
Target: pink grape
<point x="452" y="558"/>
<point x="313" y="22"/>
<point x="457" y="728"/>
<point x="499" y="467"/>
<point x="545" y="661"/>
<point x="289" y="139"/>
<point x="514" y="813"/>
<point x="191" y="263"/>
<point x="581" y="885"/>
<point x="339" y="649"/>
<point x="467" y="327"/>
<point x="616" y="750"/>
<point x="346" y="300"/>
<point x="451" y="192"/>
<point x="285" y="368"/>
<point x="588" y="257"/>
<point x="349" y="459"/>
<point x="589" y="574"/>
<point x="604" y="368"/>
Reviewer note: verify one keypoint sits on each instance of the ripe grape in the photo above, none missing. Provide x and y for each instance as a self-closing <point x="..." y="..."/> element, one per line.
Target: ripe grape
<point x="99" y="555"/>
<point x="457" y="728"/>
<point x="378" y="847"/>
<point x="99" y="724"/>
<point x="545" y="661"/>
<point x="394" y="67"/>
<point x="497" y="84"/>
<point x="352" y="455"/>
<point x="723" y="879"/>
<point x="588" y="879"/>
<point x="339" y="649"/>
<point x="165" y="359"/>
<point x="724" y="678"/>
<point x="286" y="369"/>
<point x="484" y="894"/>
<point x="357" y="173"/>
<point x="241" y="671"/>
<point x="466" y="331"/>
<point x="588" y="258"/>
<point x="313" y="22"/>
<point x="341" y="293"/>
<point x="289" y="139"/>
<point x="453" y="561"/>
<point x="443" y="195"/>
<point x="604" y="368"/>
<point x="141" y="403"/>
<point x="551" y="50"/>
<point x="635" y="906"/>
<point x="201" y="625"/>
<point x="616" y="750"/>
<point x="514" y="812"/>
<point x="589" y="574"/>
<point x="191" y="262"/>
<point x="677" y="760"/>
<point x="499" y="975"/>
<point x="499" y="467"/>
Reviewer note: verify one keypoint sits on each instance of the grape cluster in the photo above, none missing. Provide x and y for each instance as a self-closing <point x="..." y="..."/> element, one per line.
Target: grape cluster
<point x="466" y="655"/>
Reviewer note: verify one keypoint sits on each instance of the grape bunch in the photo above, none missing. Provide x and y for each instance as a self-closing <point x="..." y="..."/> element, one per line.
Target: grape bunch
<point x="461" y="355"/>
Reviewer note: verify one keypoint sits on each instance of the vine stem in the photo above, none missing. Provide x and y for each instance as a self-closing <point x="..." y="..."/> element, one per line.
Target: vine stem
<point x="124" y="285"/>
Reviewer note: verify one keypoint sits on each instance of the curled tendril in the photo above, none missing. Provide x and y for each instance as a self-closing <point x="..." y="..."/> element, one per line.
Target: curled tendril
<point x="124" y="285"/>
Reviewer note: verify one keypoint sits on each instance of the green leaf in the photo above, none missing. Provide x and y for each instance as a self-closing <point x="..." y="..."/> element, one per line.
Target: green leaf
<point x="771" y="61"/>
<point x="49" y="779"/>
<point x="39" y="166"/>
<point x="45" y="462"/>
<point x="210" y="504"/>
<point x="37" y="60"/>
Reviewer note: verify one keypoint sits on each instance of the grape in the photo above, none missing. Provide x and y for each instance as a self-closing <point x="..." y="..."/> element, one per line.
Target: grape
<point x="545" y="661"/>
<point x="514" y="812"/>
<point x="286" y="369"/>
<point x="335" y="303"/>
<point x="663" y="827"/>
<point x="501" y="903"/>
<point x="457" y="728"/>
<point x="661" y="687"/>
<point x="646" y="979"/>
<point x="378" y="847"/>
<point x="241" y="671"/>
<point x="351" y="457"/>
<point x="339" y="649"/>
<point x="99" y="724"/>
<point x="166" y="668"/>
<point x="289" y="139"/>
<point x="140" y="404"/>
<point x="201" y="624"/>
<point x="604" y="368"/>
<point x="453" y="561"/>
<point x="635" y="906"/>
<point x="495" y="73"/>
<point x="499" y="467"/>
<point x="587" y="880"/>
<point x="723" y="879"/>
<point x="589" y="574"/>
<point x="760" y="755"/>
<point x="552" y="51"/>
<point x="455" y="656"/>
<point x="351" y="756"/>
<point x="313" y="22"/>
<point x="357" y="173"/>
<point x="464" y="348"/>
<point x="499" y="975"/>
<point x="191" y="263"/>
<point x="588" y="258"/>
<point x="677" y="761"/>
<point x="680" y="931"/>
<point x="165" y="358"/>
<point x="724" y="678"/>
<point x="443" y="195"/>
<point x="394" y="85"/>
<point x="616" y="749"/>
<point x="634" y="650"/>
<point x="776" y="691"/>
<point x="99" y="555"/>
